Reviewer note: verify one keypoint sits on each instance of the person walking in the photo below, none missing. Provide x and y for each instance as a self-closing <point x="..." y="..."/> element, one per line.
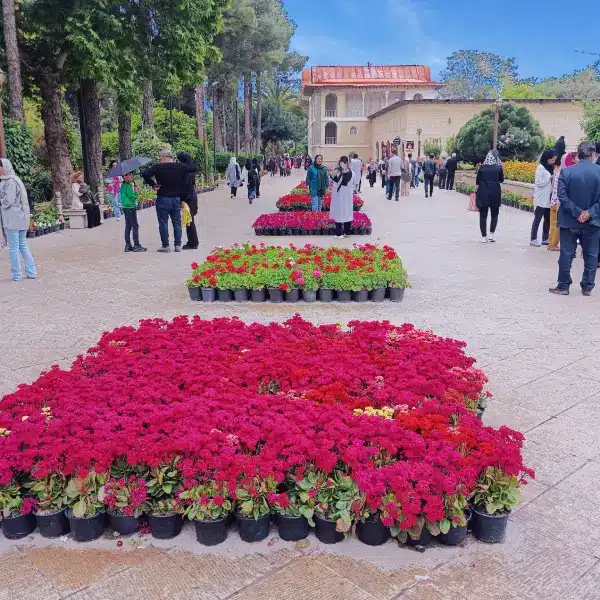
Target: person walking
<point x="451" y="166"/>
<point x="129" y="202"/>
<point x="406" y="176"/>
<point x="568" y="160"/>
<point x="394" y="171"/>
<point x="442" y="173"/>
<point x="356" y="166"/>
<point x="561" y="148"/>
<point x="542" y="197"/>
<point x="250" y="177"/>
<point x="256" y="167"/>
<point x="429" y="171"/>
<point x="317" y="180"/>
<point x="489" y="193"/>
<point x="342" y="209"/>
<point x="579" y="219"/>
<point x="190" y="197"/>
<point x="417" y="172"/>
<point x="234" y="176"/>
<point x="169" y="180"/>
<point x="413" y="167"/>
<point x="14" y="221"/>
<point x="113" y="187"/>
<point x="382" y="172"/>
<point x="372" y="170"/>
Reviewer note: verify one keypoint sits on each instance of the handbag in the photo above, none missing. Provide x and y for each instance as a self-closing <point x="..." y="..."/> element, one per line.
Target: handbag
<point x="473" y="202"/>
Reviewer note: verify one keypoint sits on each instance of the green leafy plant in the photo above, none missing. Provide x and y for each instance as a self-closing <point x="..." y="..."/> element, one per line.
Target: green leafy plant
<point x="206" y="502"/>
<point x="455" y="512"/>
<point x="149" y="144"/>
<point x="50" y="493"/>
<point x="19" y="149"/>
<point x="83" y="494"/>
<point x="252" y="497"/>
<point x="11" y="500"/>
<point x="496" y="491"/>
<point x="164" y="481"/>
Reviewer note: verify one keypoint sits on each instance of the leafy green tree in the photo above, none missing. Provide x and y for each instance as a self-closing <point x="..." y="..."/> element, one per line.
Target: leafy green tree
<point x="520" y="135"/>
<point x="280" y="124"/>
<point x="591" y="121"/>
<point x="475" y="74"/>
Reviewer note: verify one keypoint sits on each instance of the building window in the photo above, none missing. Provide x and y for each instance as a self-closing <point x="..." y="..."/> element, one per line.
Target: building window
<point x="331" y="105"/>
<point x="330" y="133"/>
<point x="418" y="97"/>
<point x="353" y="130"/>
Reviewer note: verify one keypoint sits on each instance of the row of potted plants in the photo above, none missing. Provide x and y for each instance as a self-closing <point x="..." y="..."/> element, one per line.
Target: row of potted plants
<point x="508" y="198"/>
<point x="38" y="228"/>
<point x="364" y="272"/>
<point x="203" y="419"/>
<point x="296" y="202"/>
<point x="307" y="223"/>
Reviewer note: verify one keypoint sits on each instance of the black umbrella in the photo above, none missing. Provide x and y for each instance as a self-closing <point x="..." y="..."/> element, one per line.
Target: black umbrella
<point x="128" y="166"/>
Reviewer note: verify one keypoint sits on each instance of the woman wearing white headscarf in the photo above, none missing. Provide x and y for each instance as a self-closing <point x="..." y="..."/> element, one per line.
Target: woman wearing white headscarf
<point x="14" y="221"/>
<point x="489" y="193"/>
<point x="234" y="176"/>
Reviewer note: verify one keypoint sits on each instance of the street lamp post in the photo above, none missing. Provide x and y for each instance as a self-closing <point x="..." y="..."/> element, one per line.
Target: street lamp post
<point x="2" y="140"/>
<point x="419" y="132"/>
<point x="214" y="95"/>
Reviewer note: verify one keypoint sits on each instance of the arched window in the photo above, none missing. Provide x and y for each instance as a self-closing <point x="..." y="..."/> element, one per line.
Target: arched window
<point x="418" y="97"/>
<point x="377" y="150"/>
<point x="331" y="133"/>
<point x="353" y="130"/>
<point x="331" y="105"/>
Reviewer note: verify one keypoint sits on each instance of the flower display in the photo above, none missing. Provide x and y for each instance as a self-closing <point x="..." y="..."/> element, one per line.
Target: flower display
<point x="215" y="413"/>
<point x="254" y="266"/>
<point x="517" y="170"/>
<point x="300" y="200"/>
<point x="306" y="223"/>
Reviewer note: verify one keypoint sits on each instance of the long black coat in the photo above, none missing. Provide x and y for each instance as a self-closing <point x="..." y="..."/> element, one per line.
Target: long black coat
<point x="489" y="193"/>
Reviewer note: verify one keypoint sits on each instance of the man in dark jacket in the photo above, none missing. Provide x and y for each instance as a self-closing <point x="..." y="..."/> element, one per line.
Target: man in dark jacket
<point x="579" y="219"/>
<point x="169" y="179"/>
<point x="451" y="166"/>
<point x="429" y="171"/>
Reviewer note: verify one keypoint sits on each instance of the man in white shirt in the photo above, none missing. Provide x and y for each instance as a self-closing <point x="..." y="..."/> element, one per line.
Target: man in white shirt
<point x="356" y="167"/>
<point x="394" y="174"/>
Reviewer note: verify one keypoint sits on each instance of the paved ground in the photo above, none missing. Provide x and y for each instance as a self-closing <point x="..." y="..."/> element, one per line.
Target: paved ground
<point x="540" y="352"/>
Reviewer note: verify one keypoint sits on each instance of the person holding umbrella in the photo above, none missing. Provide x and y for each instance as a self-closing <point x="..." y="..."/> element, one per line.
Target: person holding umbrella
<point x="129" y="203"/>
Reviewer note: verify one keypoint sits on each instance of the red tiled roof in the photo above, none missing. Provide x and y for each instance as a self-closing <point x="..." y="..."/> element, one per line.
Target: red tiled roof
<point x="366" y="75"/>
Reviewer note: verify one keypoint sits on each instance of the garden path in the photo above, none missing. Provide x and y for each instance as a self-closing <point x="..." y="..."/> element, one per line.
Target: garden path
<point x="540" y="351"/>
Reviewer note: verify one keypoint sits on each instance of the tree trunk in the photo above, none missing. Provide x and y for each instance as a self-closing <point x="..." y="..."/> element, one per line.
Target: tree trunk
<point x="15" y="88"/>
<point x="55" y="135"/>
<point x="258" y="115"/>
<point x="247" y="113"/>
<point x="217" y="132"/>
<point x="93" y="129"/>
<point x="124" y="135"/>
<point x="148" y="105"/>
<point x="200" y="110"/>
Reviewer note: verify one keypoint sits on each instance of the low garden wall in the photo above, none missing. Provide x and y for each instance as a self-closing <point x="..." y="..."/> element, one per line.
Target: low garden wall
<point x="514" y="187"/>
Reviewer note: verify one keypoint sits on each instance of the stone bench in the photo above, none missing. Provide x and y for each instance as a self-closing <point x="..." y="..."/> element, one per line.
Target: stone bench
<point x="77" y="217"/>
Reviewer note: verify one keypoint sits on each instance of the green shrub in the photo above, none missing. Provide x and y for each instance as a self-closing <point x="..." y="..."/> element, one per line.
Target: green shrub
<point x="110" y="146"/>
<point x="432" y="146"/>
<point x="19" y="149"/>
<point x="40" y="189"/>
<point x="149" y="144"/>
<point x="224" y="157"/>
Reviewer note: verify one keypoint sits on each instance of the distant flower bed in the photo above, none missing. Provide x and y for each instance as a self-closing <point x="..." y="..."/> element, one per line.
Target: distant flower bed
<point x="516" y="170"/>
<point x="306" y="223"/>
<point x="508" y="198"/>
<point x="300" y="200"/>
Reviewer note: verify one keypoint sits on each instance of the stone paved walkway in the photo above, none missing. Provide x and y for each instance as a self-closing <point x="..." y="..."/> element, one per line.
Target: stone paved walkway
<point x="540" y="351"/>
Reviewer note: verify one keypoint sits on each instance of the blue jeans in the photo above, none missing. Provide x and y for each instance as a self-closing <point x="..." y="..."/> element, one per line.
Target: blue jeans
<point x="169" y="206"/>
<point x="316" y="203"/>
<point x="116" y="207"/>
<point x="589" y="238"/>
<point x="17" y="244"/>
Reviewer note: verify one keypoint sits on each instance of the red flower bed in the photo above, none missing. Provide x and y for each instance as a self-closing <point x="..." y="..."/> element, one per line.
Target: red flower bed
<point x="306" y="223"/>
<point x="299" y="201"/>
<point x="236" y="402"/>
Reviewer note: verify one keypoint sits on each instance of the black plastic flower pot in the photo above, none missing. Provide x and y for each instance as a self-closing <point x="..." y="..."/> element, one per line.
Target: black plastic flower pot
<point x="123" y="524"/>
<point x="62" y="226"/>
<point x="309" y="295"/>
<point x="360" y="296"/>
<point x="378" y="295"/>
<point x="292" y="529"/>
<point x="253" y="530"/>
<point x="275" y="294"/>
<point x="86" y="529"/>
<point x="259" y="230"/>
<point x="368" y="230"/>
<point x="396" y="294"/>
<point x="289" y="231"/>
<point x="372" y="532"/>
<point x="225" y="295"/>
<point x="454" y="537"/>
<point x="54" y="524"/>
<point x="15" y="528"/>
<point x="209" y="294"/>
<point x="295" y="230"/>
<point x="325" y="295"/>
<point x="425" y="538"/>
<point x="257" y="295"/>
<point x="240" y="295"/>
<point x="488" y="528"/>
<point x="211" y="533"/>
<point x="326" y="531"/>
<point x="165" y="527"/>
<point x="194" y="293"/>
<point x="292" y="295"/>
<point x="344" y="295"/>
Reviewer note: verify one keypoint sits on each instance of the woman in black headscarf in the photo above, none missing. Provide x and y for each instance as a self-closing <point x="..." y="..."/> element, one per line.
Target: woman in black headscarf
<point x="256" y="166"/>
<point x="561" y="148"/>
<point x="542" y="197"/>
<point x="190" y="197"/>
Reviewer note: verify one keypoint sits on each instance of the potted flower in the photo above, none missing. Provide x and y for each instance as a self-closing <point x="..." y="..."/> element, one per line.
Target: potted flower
<point x="252" y="507"/>
<point x="453" y="529"/>
<point x="311" y="285"/>
<point x="377" y="515"/>
<point x="86" y="512"/>
<point x="397" y="284"/>
<point x="495" y="494"/>
<point x="164" y="508"/>
<point x="18" y="520"/>
<point x="193" y="286"/>
<point x="277" y="275"/>
<point x="294" y="511"/>
<point x="208" y="506"/>
<point x="125" y="500"/>
<point x="290" y="291"/>
<point x="50" y="512"/>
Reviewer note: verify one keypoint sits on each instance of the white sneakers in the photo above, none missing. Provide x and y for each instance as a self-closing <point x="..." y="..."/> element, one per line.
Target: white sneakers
<point x="491" y="238"/>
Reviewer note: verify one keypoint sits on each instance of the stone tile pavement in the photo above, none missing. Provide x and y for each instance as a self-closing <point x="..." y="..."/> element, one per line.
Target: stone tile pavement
<point x="540" y="352"/>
